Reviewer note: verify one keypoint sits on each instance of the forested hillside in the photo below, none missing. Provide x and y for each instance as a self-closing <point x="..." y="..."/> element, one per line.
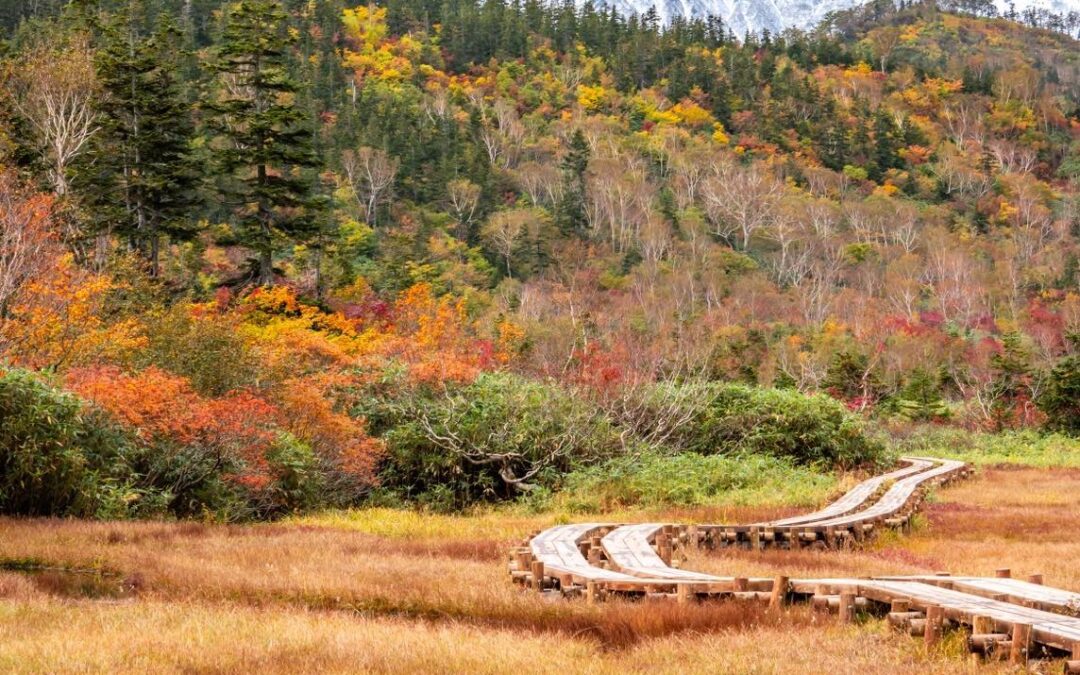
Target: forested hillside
<point x="264" y="255"/>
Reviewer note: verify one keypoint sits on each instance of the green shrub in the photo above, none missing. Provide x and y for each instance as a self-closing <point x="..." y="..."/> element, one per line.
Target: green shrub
<point x="654" y="479"/>
<point x="207" y="351"/>
<point x="450" y="449"/>
<point x="740" y="419"/>
<point x="1060" y="400"/>
<point x="1027" y="448"/>
<point x="57" y="458"/>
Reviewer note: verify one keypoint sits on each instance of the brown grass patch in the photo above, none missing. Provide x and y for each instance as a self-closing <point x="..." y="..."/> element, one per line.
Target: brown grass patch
<point x="271" y="587"/>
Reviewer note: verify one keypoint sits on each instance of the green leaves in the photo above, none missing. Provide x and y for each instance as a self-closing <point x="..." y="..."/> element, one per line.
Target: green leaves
<point x="54" y="456"/>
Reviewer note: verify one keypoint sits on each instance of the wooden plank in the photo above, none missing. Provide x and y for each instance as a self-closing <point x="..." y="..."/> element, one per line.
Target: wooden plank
<point x="1055" y="630"/>
<point x="858" y="495"/>
<point x="1013" y="590"/>
<point x="629" y="549"/>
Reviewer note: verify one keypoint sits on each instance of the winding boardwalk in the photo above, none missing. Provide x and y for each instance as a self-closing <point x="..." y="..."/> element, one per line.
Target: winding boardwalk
<point x="601" y="558"/>
<point x="857" y="496"/>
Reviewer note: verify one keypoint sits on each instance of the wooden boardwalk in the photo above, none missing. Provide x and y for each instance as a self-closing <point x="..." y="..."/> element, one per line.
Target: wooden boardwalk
<point x="595" y="559"/>
<point x="892" y="509"/>
<point x="1047" y="628"/>
<point x="857" y="496"/>
<point x="1016" y="591"/>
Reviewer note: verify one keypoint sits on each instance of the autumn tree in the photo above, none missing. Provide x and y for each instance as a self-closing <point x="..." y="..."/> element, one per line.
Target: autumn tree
<point x="27" y="238"/>
<point x="54" y="88"/>
<point x="371" y="174"/>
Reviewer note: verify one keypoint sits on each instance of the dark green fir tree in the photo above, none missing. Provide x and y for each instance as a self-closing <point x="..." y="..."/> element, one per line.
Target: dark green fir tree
<point x="263" y="145"/>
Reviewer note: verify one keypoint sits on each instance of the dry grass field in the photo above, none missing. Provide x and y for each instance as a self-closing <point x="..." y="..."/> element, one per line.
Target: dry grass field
<point x="395" y="591"/>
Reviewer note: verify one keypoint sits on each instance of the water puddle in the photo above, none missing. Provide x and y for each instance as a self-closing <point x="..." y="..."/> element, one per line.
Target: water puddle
<point x="83" y="584"/>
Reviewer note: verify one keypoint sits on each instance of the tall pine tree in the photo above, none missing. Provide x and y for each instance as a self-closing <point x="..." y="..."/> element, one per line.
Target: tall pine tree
<point x="571" y="208"/>
<point x="264" y="149"/>
<point x="143" y="183"/>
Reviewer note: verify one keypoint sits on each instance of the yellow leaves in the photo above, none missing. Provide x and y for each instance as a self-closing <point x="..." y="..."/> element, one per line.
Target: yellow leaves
<point x="58" y="321"/>
<point x="366" y="25"/>
<point x="1011" y="117"/>
<point x="861" y="69"/>
<point x="719" y="134"/>
<point x="374" y="56"/>
<point x="510" y="342"/>
<point x="1006" y="211"/>
<point x="833" y="328"/>
<point x="592" y="99"/>
<point x="691" y="114"/>
<point x="943" y="87"/>
<point x="911" y="33"/>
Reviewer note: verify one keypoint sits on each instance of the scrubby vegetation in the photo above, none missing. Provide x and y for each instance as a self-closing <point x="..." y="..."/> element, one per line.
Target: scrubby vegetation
<point x="260" y="257"/>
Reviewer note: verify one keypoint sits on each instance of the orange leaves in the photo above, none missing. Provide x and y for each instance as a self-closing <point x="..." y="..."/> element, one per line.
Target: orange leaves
<point x="154" y="403"/>
<point x="434" y="337"/>
<point x="27" y="236"/>
<point x="160" y="406"/>
<point x="309" y="413"/>
<point x="49" y="307"/>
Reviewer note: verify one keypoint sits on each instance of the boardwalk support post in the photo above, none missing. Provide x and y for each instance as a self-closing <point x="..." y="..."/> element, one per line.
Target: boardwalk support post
<point x="1021" y="642"/>
<point x="1003" y="573"/>
<point x="1072" y="667"/>
<point x="590" y="592"/>
<point x="779" y="592"/>
<point x="935" y="620"/>
<point x="1036" y="579"/>
<point x="683" y="594"/>
<point x="847" y="607"/>
<point x="538" y="575"/>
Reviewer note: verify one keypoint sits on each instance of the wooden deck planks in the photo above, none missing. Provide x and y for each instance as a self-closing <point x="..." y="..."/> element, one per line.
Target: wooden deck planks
<point x="895" y="498"/>
<point x="630" y="550"/>
<point x="1015" y="591"/>
<point x="1051" y="629"/>
<point x="1003" y="602"/>
<point x="558" y="549"/>
<point x="857" y="496"/>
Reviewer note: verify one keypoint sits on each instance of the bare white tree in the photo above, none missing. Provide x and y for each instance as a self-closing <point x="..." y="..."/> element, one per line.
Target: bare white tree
<point x="54" y="88"/>
<point x="740" y="202"/>
<point x="464" y="198"/>
<point x="503" y="231"/>
<point x="371" y="174"/>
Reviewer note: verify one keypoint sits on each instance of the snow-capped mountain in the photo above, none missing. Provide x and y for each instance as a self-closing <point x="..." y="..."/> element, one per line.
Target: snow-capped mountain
<point x="776" y="15"/>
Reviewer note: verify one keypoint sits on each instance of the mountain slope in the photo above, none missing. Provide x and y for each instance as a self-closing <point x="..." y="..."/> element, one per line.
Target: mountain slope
<point x="776" y="15"/>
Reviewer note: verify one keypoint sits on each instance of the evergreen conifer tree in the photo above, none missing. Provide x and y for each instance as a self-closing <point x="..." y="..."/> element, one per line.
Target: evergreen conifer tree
<point x="264" y="147"/>
<point x="143" y="183"/>
<point x="574" y="165"/>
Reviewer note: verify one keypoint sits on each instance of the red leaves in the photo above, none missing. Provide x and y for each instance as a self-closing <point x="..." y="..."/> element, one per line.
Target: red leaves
<point x="160" y="406"/>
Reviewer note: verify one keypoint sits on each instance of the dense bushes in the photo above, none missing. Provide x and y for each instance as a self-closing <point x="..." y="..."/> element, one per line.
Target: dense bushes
<point x="733" y="418"/>
<point x="56" y="458"/>
<point x="495" y="438"/>
<point x="149" y="444"/>
<point x="505" y="435"/>
<point x="654" y="479"/>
